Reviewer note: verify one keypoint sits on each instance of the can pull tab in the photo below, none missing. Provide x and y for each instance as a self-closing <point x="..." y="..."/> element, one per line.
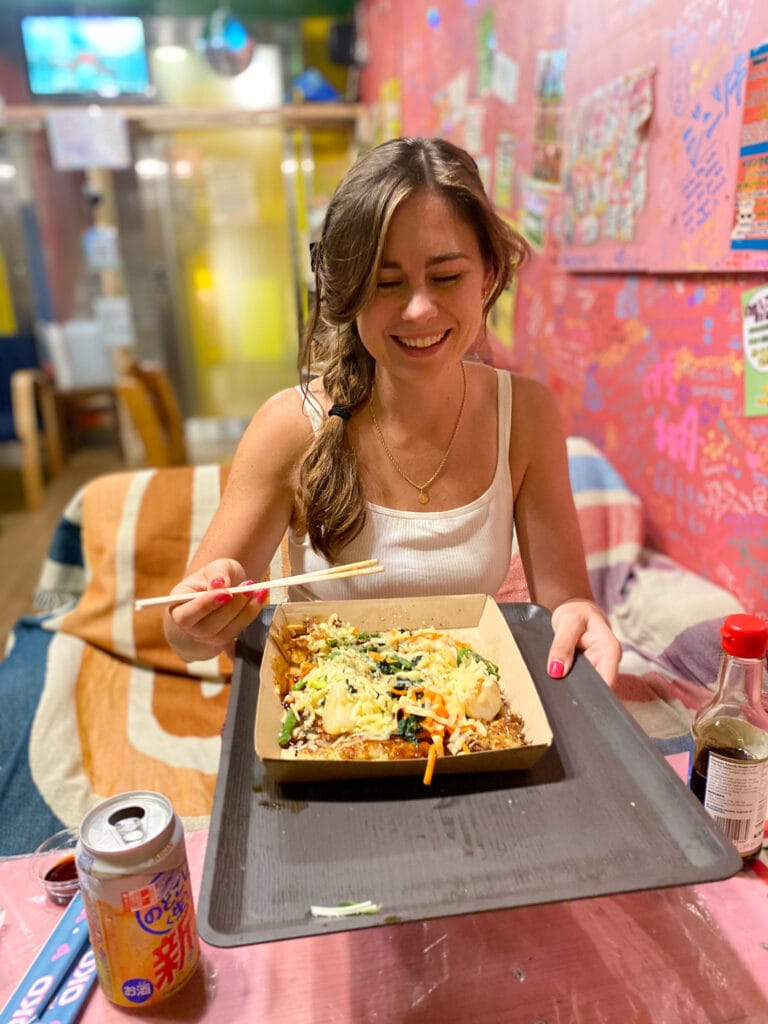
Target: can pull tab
<point x="129" y="825"/>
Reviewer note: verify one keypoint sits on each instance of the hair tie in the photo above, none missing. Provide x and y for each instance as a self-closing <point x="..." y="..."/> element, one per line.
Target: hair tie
<point x="342" y="411"/>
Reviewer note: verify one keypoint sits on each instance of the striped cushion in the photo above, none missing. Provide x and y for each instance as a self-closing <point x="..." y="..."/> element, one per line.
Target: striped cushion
<point x="611" y="520"/>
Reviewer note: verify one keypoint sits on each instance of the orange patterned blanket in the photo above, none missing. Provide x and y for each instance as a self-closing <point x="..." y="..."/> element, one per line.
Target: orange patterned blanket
<point x="142" y="718"/>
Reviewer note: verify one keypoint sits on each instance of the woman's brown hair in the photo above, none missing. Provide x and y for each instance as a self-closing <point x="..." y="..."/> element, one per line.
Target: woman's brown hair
<point x="331" y="505"/>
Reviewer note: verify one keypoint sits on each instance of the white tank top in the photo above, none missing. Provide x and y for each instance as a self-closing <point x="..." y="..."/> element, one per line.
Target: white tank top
<point x="463" y="550"/>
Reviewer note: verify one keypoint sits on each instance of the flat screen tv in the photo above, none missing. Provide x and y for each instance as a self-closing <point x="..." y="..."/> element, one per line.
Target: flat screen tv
<point x="86" y="57"/>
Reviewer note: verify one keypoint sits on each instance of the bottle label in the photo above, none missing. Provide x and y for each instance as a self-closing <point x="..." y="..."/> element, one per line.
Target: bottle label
<point x="737" y="797"/>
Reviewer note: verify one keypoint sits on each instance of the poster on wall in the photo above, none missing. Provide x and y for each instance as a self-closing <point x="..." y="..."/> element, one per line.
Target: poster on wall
<point x="750" y="220"/>
<point x="449" y="104"/>
<point x="82" y="139"/>
<point x="548" y="122"/>
<point x="501" y="319"/>
<point x="100" y="247"/>
<point x="504" y="171"/>
<point x="606" y="161"/>
<point x="474" y="129"/>
<point x="230" y="190"/>
<point x="506" y="77"/>
<point x="536" y="211"/>
<point x="754" y="311"/>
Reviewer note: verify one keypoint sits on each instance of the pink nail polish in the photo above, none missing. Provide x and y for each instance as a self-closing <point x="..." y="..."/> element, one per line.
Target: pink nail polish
<point x="556" y="669"/>
<point x="219" y="581"/>
<point x="223" y="598"/>
<point x="260" y="597"/>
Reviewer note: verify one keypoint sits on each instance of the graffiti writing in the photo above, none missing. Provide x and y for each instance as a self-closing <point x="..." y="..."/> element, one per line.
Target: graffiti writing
<point x="726" y="94"/>
<point x="679" y="441"/>
<point x="722" y="498"/>
<point x="659" y="382"/>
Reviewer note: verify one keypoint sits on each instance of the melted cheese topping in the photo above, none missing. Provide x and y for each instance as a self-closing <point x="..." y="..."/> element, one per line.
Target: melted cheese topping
<point x="342" y="685"/>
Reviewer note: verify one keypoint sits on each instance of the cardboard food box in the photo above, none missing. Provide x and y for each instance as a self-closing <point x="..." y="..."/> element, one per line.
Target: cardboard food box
<point x="474" y="618"/>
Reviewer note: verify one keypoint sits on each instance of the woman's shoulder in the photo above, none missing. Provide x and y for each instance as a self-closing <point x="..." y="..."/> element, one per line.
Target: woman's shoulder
<point x="530" y="392"/>
<point x="282" y="422"/>
<point x="536" y="419"/>
<point x="298" y="404"/>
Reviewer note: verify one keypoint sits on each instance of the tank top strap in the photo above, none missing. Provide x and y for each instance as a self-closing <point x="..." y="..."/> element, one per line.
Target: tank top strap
<point x="504" y="416"/>
<point x="311" y="407"/>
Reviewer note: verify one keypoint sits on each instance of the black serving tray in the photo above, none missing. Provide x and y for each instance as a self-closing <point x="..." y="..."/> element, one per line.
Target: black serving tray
<point x="601" y="812"/>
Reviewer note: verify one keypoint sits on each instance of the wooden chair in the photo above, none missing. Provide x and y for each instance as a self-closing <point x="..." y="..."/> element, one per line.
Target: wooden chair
<point x="148" y="401"/>
<point x="28" y="415"/>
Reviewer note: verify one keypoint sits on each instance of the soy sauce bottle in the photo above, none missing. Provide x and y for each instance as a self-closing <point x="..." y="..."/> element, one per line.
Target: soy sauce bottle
<point x="729" y="758"/>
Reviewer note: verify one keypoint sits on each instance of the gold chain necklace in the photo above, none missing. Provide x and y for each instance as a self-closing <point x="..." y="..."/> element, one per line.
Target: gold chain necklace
<point x="422" y="488"/>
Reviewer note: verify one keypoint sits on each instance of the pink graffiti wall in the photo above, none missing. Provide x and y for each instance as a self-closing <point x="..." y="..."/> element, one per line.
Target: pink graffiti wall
<point x="643" y="345"/>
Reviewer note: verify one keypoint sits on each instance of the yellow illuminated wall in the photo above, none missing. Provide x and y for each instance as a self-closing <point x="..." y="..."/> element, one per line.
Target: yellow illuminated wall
<point x="7" y="316"/>
<point x="232" y="232"/>
<point x="240" y="225"/>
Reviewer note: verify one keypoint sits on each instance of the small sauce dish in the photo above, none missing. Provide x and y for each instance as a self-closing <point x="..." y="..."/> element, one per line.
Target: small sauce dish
<point x="53" y="865"/>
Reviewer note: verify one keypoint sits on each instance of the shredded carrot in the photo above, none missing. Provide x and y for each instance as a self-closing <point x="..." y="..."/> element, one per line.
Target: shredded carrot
<point x="429" y="770"/>
<point x="435" y="708"/>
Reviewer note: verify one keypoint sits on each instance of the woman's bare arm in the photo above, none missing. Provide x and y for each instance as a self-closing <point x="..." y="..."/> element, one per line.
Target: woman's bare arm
<point x="254" y="513"/>
<point x="549" y="536"/>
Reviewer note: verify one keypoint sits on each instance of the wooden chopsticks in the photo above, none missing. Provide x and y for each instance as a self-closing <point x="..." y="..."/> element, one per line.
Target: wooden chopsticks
<point x="335" y="572"/>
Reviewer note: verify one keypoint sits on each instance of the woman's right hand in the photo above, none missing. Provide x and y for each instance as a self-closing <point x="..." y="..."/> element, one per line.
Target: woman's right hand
<point x="206" y="626"/>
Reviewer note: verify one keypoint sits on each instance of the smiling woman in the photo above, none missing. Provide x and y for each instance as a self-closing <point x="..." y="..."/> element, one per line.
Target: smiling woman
<point x="400" y="446"/>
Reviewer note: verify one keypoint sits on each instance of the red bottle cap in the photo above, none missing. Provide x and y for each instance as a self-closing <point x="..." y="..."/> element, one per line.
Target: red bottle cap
<point x="745" y="636"/>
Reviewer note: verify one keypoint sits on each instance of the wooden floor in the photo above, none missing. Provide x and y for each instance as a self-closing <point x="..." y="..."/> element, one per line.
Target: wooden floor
<point x="25" y="536"/>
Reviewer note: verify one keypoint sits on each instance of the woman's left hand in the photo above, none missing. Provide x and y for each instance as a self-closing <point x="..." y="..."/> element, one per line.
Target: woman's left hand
<point x="581" y="625"/>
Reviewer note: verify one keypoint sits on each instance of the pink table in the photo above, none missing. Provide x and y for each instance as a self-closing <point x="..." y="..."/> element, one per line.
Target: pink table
<point x="689" y="955"/>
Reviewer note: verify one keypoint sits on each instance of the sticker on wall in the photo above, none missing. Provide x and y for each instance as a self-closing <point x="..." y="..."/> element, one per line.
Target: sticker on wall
<point x="506" y="76"/>
<point x="449" y="104"/>
<point x="458" y="94"/>
<point x="100" y="246"/>
<point x="504" y="175"/>
<point x="81" y="139"/>
<point x="548" y="121"/>
<point x="754" y="311"/>
<point x="607" y="160"/>
<point x="474" y="128"/>
<point x="750" y="221"/>
<point x="535" y="211"/>
<point x="230" y="188"/>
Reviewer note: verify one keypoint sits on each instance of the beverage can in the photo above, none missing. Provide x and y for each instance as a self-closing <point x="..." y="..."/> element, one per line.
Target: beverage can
<point x="134" y="878"/>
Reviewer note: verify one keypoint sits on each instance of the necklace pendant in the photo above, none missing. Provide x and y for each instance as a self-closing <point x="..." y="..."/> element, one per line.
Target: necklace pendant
<point x="423" y="497"/>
